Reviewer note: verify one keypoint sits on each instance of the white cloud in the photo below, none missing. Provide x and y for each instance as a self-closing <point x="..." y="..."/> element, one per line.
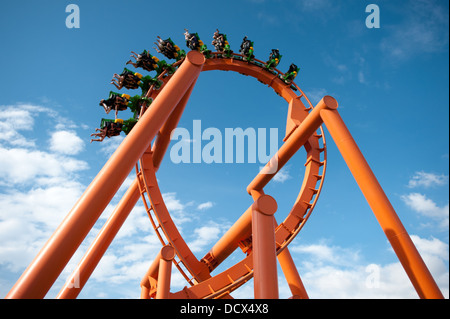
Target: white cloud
<point x="423" y="179"/>
<point x="282" y="175"/>
<point x="28" y="218"/>
<point x="19" y="165"/>
<point x="205" y="206"/>
<point x="428" y="208"/>
<point x="172" y="203"/>
<point x="336" y="272"/>
<point x="109" y="145"/>
<point x="205" y="236"/>
<point x="66" y="142"/>
<point x="15" y="118"/>
<point x="39" y="187"/>
<point x="323" y="253"/>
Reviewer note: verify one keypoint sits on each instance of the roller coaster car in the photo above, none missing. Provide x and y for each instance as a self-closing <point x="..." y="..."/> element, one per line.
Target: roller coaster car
<point x="274" y="59"/>
<point x="137" y="102"/>
<point x="147" y="82"/>
<point x="128" y="125"/>
<point x="127" y="79"/>
<point x="192" y="40"/>
<point x="115" y="101"/>
<point x="290" y="75"/>
<point x="246" y="49"/>
<point x="108" y="128"/>
<point x="144" y="60"/>
<point x="221" y="44"/>
<point x="162" y="66"/>
<point x="169" y="49"/>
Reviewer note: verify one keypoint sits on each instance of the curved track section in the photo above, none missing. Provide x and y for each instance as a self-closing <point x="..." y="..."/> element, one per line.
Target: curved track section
<point x="197" y="273"/>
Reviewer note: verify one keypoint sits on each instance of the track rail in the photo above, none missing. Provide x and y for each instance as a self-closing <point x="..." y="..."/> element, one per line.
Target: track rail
<point x="197" y="273"/>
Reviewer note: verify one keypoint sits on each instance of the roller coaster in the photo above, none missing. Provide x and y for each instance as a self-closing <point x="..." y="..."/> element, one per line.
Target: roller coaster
<point x="263" y="240"/>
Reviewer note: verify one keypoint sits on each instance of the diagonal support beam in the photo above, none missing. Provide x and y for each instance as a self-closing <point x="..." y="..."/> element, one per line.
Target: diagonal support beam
<point x="396" y="233"/>
<point x="101" y="243"/>
<point x="296" y="140"/>
<point x="51" y="260"/>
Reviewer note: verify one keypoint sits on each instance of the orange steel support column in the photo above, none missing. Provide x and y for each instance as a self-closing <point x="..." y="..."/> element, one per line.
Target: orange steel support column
<point x="51" y="260"/>
<point x="397" y="235"/>
<point x="160" y="270"/>
<point x="164" y="273"/>
<point x="292" y="277"/>
<point x="101" y="243"/>
<point x="228" y="243"/>
<point x="297" y="139"/>
<point x="121" y="212"/>
<point x="162" y="140"/>
<point x="242" y="228"/>
<point x="265" y="276"/>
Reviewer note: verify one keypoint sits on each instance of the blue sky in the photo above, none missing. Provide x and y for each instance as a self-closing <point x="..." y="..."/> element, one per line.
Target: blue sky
<point x="391" y="84"/>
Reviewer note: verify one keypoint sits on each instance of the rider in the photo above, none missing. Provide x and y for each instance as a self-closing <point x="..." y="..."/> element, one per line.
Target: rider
<point x="247" y="49"/>
<point x="108" y="128"/>
<point x="290" y="75"/>
<point x="136" y="102"/>
<point x="169" y="49"/>
<point x="144" y="60"/>
<point x="274" y="59"/>
<point x="127" y="79"/>
<point x="221" y="44"/>
<point x="116" y="101"/>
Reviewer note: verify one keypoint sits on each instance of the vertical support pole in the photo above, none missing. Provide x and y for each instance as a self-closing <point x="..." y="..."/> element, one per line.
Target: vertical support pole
<point x="165" y="272"/>
<point x="397" y="235"/>
<point x="101" y="243"/>
<point x="51" y="260"/>
<point x="264" y="248"/>
<point x="160" y="270"/>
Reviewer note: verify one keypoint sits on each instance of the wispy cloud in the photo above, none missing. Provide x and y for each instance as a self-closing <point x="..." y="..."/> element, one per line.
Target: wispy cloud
<point x="424" y="29"/>
<point x="204" y="237"/>
<point x="428" y="208"/>
<point x="282" y="176"/>
<point x="424" y="179"/>
<point x="205" y="206"/>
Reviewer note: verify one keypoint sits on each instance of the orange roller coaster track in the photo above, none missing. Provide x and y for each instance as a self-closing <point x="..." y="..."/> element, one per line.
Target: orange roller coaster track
<point x="261" y="238"/>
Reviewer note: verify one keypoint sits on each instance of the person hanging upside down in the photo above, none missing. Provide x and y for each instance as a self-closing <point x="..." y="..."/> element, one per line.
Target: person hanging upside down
<point x="116" y="101"/>
<point x="144" y="60"/>
<point x="169" y="49"/>
<point x="110" y="128"/>
<point x="127" y="79"/>
<point x="107" y="128"/>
